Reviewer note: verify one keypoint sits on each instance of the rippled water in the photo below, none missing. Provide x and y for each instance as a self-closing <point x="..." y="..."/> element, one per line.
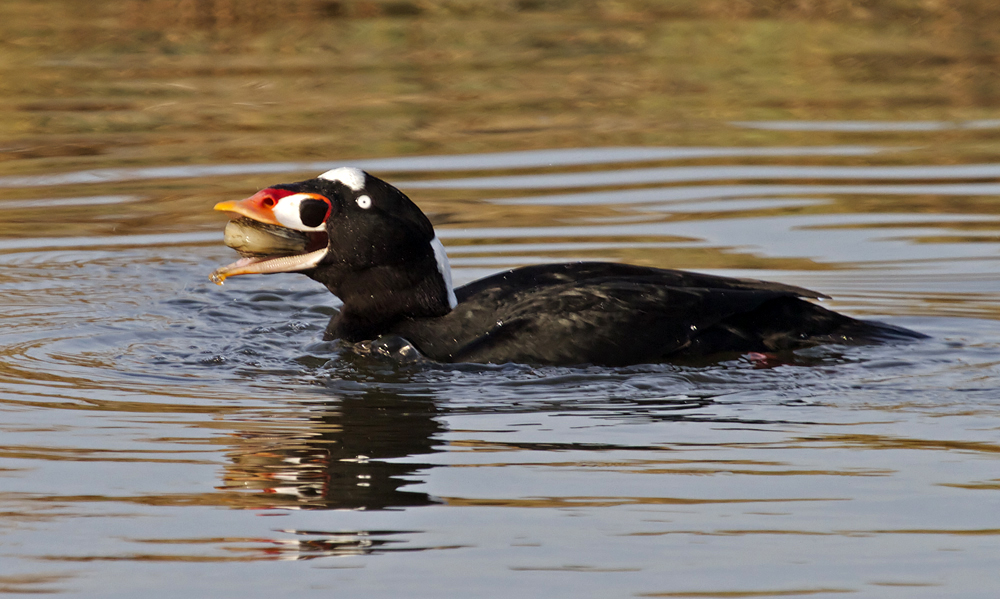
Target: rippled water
<point x="163" y="436"/>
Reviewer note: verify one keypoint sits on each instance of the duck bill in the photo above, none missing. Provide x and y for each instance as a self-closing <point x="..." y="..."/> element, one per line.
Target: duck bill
<point x="258" y="207"/>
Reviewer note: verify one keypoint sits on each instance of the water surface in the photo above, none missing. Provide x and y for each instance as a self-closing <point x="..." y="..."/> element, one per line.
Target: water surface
<point x="164" y="436"/>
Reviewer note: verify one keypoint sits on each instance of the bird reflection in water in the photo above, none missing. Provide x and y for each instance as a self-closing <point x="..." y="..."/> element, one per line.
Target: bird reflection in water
<point x="340" y="457"/>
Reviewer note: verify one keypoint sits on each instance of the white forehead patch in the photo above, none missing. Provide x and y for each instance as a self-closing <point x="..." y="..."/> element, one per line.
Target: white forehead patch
<point x="364" y="202"/>
<point x="349" y="176"/>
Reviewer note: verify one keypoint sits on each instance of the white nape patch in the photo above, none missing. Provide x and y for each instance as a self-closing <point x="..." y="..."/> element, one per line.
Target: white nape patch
<point x="364" y="202"/>
<point x="286" y="212"/>
<point x="349" y="176"/>
<point x="445" y="269"/>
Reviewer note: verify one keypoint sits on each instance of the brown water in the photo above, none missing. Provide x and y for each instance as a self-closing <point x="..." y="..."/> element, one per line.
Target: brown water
<point x="161" y="436"/>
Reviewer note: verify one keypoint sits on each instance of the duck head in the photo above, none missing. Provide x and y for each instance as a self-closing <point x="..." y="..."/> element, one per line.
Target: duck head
<point x="361" y="237"/>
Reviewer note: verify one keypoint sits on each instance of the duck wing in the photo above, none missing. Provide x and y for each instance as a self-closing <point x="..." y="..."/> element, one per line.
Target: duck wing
<point x="610" y="322"/>
<point x="587" y="312"/>
<point x="619" y="314"/>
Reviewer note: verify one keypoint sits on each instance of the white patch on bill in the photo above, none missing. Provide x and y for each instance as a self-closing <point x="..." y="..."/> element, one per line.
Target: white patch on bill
<point x="349" y="176"/>
<point x="445" y="269"/>
<point x="286" y="212"/>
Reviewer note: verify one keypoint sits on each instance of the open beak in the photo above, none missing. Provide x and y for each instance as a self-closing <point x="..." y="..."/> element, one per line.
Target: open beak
<point x="260" y="208"/>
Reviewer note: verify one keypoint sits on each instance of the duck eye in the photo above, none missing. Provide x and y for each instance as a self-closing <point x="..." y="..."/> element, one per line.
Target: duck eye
<point x="364" y="202"/>
<point x="312" y="212"/>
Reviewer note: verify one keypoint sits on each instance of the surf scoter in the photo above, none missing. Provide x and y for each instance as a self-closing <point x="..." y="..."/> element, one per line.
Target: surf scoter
<point x="375" y="250"/>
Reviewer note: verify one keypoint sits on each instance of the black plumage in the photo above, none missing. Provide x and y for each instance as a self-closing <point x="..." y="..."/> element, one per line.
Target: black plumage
<point x="620" y="314"/>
